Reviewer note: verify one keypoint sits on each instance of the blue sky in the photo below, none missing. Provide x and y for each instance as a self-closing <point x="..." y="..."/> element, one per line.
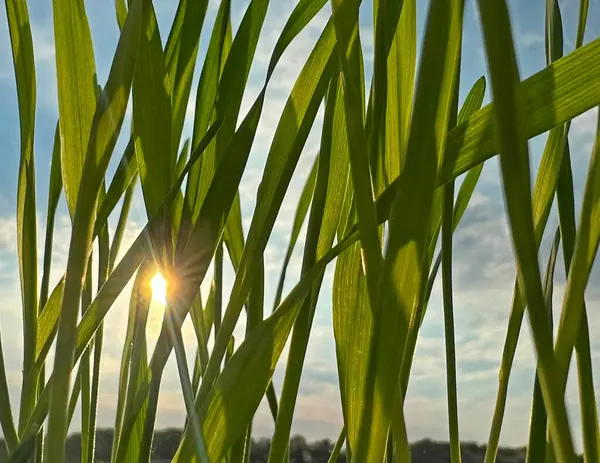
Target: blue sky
<point x="484" y="269"/>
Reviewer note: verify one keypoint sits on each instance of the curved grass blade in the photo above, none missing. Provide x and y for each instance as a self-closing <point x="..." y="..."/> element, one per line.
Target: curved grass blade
<point x="515" y="174"/>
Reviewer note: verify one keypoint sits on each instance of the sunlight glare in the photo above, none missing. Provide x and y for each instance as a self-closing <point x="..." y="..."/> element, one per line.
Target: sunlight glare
<point x="159" y="288"/>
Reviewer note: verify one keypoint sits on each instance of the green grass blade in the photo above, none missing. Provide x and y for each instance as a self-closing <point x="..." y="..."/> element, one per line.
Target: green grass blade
<point x="47" y="322"/>
<point x="24" y="67"/>
<point x="566" y="213"/>
<point x="337" y="448"/>
<point x="152" y="116"/>
<point x="131" y="449"/>
<point x="188" y="393"/>
<point x="345" y="20"/>
<point x="234" y="397"/>
<point x="206" y="94"/>
<point x="104" y="130"/>
<point x="182" y="50"/>
<point x="76" y="75"/>
<point x="401" y="63"/>
<point x="409" y="222"/>
<point x="536" y="446"/>
<point x="6" y="418"/>
<point x="322" y="225"/>
<point x="123" y="177"/>
<point x="121" y="224"/>
<point x="586" y="246"/>
<point x="121" y="10"/>
<point x="514" y="162"/>
<point x="183" y="157"/>
<point x="299" y="217"/>
<point x="290" y="137"/>
<point x="446" y="243"/>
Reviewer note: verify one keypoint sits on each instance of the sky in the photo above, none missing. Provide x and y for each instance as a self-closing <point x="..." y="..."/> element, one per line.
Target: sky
<point x="484" y="269"/>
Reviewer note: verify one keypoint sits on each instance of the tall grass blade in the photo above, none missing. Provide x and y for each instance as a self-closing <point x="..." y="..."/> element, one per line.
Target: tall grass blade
<point x="24" y="67"/>
<point x="536" y="446"/>
<point x="514" y="162"/>
<point x="104" y="130"/>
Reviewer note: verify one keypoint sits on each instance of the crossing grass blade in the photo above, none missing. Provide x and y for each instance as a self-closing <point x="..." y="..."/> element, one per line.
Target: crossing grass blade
<point x="514" y="162"/>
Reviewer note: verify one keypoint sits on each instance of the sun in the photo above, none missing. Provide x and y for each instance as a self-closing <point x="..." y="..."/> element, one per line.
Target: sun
<point x="159" y="288"/>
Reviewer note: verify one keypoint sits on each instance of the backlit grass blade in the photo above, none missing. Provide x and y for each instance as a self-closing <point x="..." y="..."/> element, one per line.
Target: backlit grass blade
<point x="322" y="225"/>
<point x="545" y="186"/>
<point x="236" y="394"/>
<point x="131" y="450"/>
<point x="54" y="191"/>
<point x="337" y="448"/>
<point x="514" y="162"/>
<point x="345" y="20"/>
<point x="183" y="157"/>
<point x="103" y="272"/>
<point x="76" y="76"/>
<point x="121" y="10"/>
<point x="447" y="295"/>
<point x="409" y="220"/>
<point x="471" y="104"/>
<point x="152" y="116"/>
<point x="401" y="62"/>
<point x="183" y="45"/>
<point x="121" y="224"/>
<point x="84" y="370"/>
<point x="293" y="129"/>
<point x="104" y="130"/>
<point x="584" y="253"/>
<point x="188" y="393"/>
<point x="299" y="217"/>
<point x="47" y="323"/>
<point x="6" y="418"/>
<point x="206" y="94"/>
<point x="24" y="67"/>
<point x="536" y="446"/>
<point x="566" y="213"/>
<point x="124" y="175"/>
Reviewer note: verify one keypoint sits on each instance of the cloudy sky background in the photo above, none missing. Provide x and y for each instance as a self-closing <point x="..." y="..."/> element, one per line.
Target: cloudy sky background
<point x="483" y="262"/>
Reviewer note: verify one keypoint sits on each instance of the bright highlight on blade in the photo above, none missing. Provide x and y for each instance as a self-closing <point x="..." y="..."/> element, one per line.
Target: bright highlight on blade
<point x="159" y="288"/>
